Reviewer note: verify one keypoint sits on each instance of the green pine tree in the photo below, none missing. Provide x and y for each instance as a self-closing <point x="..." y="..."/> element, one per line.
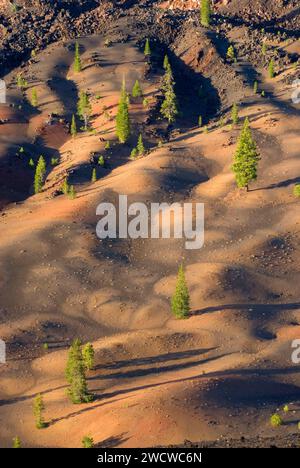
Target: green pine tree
<point x="180" y="302"/>
<point x="31" y="162"/>
<point x="137" y="90"/>
<point x="75" y="375"/>
<point x="122" y="119"/>
<point x="39" y="175"/>
<point x="230" y="52"/>
<point x="169" y="108"/>
<point x="72" y="193"/>
<point x="205" y="13"/>
<point x="21" y="82"/>
<point x="255" y="87"/>
<point x="133" y="153"/>
<point x="77" y="59"/>
<point x="296" y="190"/>
<point x="271" y="69"/>
<point x="166" y="62"/>
<point x="84" y="108"/>
<point x="87" y="442"/>
<point x="246" y="158"/>
<point x="65" y="187"/>
<point x="38" y="408"/>
<point x="264" y="48"/>
<point x="17" y="442"/>
<point x="94" y="175"/>
<point x="88" y="354"/>
<point x="73" y="127"/>
<point x="147" y="50"/>
<point x="34" y="98"/>
<point x="140" y="146"/>
<point x="235" y="114"/>
<point x="200" y="121"/>
<point x="101" y="161"/>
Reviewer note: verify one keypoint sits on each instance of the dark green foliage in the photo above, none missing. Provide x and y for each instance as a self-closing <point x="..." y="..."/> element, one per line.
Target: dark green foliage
<point x="166" y="62"/>
<point x="271" y="69"/>
<point x="235" y="114"/>
<point x="137" y="90"/>
<point x="75" y="375"/>
<point x="205" y="13"/>
<point x="73" y="127"/>
<point x="147" y="50"/>
<point x="296" y="190"/>
<point x="140" y="146"/>
<point x="133" y="153"/>
<point x="84" y="108"/>
<point x="34" y="98"/>
<point x="17" y="442"/>
<point x="94" y="175"/>
<point x="88" y="354"/>
<point x="39" y="175"/>
<point x="122" y="119"/>
<point x="77" y="59"/>
<point x="38" y="408"/>
<point x="246" y="158"/>
<point x="180" y="303"/>
<point x="276" y="420"/>
<point x="169" y="108"/>
<point x="87" y="442"/>
<point x="230" y="53"/>
<point x="72" y="193"/>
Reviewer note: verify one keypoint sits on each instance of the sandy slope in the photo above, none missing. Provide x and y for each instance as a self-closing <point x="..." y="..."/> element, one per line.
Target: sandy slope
<point x="157" y="381"/>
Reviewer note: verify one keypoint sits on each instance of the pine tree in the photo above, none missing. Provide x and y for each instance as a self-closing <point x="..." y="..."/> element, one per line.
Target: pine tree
<point x="246" y="158"/>
<point x="137" y="90"/>
<point x="72" y="193"/>
<point x="122" y="119"/>
<point x="34" y="98"/>
<point x="264" y="48"/>
<point x="73" y="127"/>
<point x="39" y="175"/>
<point x="166" y="62"/>
<point x="169" y="106"/>
<point x="38" y="408"/>
<point x="77" y="59"/>
<point x="140" y="146"/>
<point x="133" y="153"/>
<point x="296" y="190"/>
<point x="101" y="161"/>
<point x="94" y="175"/>
<point x="65" y="187"/>
<point x="271" y="69"/>
<point x="235" y="114"/>
<point x="200" y="121"/>
<point x="31" y="162"/>
<point x="87" y="442"/>
<point x="205" y="13"/>
<point x="84" y="108"/>
<point x="255" y="87"/>
<point x="75" y="375"/>
<point x="147" y="50"/>
<point x="107" y="145"/>
<point x="17" y="442"/>
<point x="230" y="53"/>
<point x="180" y="303"/>
<point x="21" y="82"/>
<point x="88" y="354"/>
